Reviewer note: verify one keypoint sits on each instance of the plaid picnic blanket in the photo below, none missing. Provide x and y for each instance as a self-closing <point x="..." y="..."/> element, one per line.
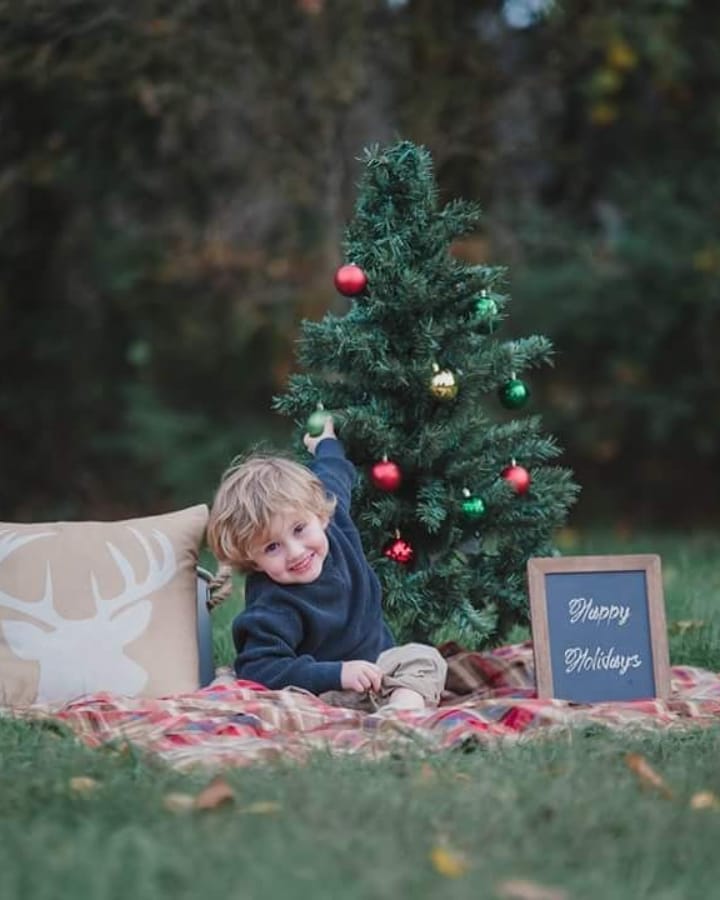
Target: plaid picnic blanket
<point x="490" y="696"/>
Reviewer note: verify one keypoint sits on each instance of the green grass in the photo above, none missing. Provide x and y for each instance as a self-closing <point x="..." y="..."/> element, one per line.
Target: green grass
<point x="565" y="813"/>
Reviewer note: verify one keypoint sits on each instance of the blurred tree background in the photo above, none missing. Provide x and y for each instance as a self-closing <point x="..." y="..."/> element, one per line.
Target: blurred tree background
<point x="175" y="178"/>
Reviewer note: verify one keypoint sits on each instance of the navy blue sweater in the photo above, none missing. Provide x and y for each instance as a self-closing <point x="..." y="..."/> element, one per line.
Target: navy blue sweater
<point x="300" y="634"/>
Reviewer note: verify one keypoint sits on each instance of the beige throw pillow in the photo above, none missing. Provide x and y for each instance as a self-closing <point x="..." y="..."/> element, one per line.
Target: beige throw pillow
<point x="99" y="606"/>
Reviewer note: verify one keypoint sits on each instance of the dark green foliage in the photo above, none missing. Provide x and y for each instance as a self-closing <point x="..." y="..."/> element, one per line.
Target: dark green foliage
<point x="113" y="339"/>
<point x="158" y="194"/>
<point x="372" y="368"/>
<point x="173" y="178"/>
<point x="621" y="259"/>
<point x="638" y="397"/>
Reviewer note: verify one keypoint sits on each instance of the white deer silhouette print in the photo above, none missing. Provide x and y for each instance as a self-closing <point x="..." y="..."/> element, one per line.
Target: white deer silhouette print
<point x="77" y="654"/>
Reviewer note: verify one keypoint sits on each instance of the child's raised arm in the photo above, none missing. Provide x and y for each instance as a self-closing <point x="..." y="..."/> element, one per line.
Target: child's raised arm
<point x="330" y="464"/>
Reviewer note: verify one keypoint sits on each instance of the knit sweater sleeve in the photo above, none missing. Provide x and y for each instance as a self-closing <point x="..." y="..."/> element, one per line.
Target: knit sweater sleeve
<point x="266" y="639"/>
<point x="335" y="471"/>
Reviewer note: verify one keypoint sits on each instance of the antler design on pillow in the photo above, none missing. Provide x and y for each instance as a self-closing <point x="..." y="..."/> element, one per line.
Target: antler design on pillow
<point x="76" y="653"/>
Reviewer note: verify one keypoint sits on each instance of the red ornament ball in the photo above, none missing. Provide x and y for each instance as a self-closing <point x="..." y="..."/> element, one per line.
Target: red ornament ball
<point x="399" y="551"/>
<point x="518" y="478"/>
<point x="350" y="280"/>
<point x="386" y="475"/>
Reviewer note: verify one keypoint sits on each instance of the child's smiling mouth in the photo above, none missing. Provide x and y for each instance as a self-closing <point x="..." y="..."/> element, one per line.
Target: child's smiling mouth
<point x="304" y="564"/>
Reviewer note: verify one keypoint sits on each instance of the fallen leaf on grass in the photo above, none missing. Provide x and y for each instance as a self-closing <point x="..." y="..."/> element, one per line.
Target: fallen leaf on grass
<point x="520" y="889"/>
<point x="705" y="800"/>
<point x="647" y="776"/>
<point x="311" y="7"/>
<point x="261" y="808"/>
<point x="448" y="862"/>
<point x="554" y="771"/>
<point x="217" y="793"/>
<point x="426" y="773"/>
<point x="683" y="625"/>
<point x="176" y="802"/>
<point x="83" y="784"/>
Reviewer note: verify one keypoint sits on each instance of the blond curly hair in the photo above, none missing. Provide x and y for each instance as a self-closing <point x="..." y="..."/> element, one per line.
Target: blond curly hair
<point x="251" y="493"/>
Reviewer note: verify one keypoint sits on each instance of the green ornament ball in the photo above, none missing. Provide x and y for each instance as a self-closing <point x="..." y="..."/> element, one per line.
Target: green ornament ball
<point x="473" y="507"/>
<point x="486" y="310"/>
<point x="316" y="422"/>
<point x="514" y="394"/>
<point x="486" y="307"/>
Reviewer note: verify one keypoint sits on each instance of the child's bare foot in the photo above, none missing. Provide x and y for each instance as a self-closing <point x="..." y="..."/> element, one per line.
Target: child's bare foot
<point x="405" y="698"/>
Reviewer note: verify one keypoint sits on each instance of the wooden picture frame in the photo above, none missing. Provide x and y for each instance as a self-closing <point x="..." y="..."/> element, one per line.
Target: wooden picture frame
<point x="580" y="610"/>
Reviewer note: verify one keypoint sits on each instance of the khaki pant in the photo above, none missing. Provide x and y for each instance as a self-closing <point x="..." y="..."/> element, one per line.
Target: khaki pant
<point x="415" y="666"/>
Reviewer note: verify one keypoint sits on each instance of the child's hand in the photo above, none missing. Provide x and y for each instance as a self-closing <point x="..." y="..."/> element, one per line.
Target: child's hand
<point x="327" y="432"/>
<point x="360" y="675"/>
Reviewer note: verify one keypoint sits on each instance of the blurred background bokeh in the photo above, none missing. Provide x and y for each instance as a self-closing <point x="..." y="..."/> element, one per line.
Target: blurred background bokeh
<point x="174" y="182"/>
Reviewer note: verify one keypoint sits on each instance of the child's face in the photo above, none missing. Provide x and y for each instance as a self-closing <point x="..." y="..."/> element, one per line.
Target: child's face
<point x="294" y="549"/>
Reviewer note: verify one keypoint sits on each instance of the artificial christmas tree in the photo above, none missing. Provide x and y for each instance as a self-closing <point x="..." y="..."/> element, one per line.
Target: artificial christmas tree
<point x="414" y="372"/>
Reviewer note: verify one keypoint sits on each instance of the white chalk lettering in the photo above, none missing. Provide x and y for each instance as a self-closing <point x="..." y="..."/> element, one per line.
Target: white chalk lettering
<point x="585" y="609"/>
<point x="583" y="659"/>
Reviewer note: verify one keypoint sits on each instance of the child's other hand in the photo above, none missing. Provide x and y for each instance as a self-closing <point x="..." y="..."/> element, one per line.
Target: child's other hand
<point x="360" y="675"/>
<point x="327" y="432"/>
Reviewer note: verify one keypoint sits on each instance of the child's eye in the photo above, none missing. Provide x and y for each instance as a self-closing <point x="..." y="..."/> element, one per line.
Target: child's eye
<point x="299" y="528"/>
<point x="271" y="548"/>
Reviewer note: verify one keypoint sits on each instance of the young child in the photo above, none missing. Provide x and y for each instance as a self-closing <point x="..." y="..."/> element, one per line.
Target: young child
<point x="313" y="615"/>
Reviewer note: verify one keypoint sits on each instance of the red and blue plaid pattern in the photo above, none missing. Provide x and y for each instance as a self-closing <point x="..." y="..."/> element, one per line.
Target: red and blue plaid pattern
<point x="489" y="695"/>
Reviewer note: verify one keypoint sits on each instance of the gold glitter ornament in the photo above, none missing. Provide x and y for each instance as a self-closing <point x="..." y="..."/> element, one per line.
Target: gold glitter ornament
<point x="443" y="384"/>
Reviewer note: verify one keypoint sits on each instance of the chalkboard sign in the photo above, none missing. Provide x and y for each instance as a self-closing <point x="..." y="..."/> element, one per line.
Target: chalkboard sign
<point x="598" y="626"/>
